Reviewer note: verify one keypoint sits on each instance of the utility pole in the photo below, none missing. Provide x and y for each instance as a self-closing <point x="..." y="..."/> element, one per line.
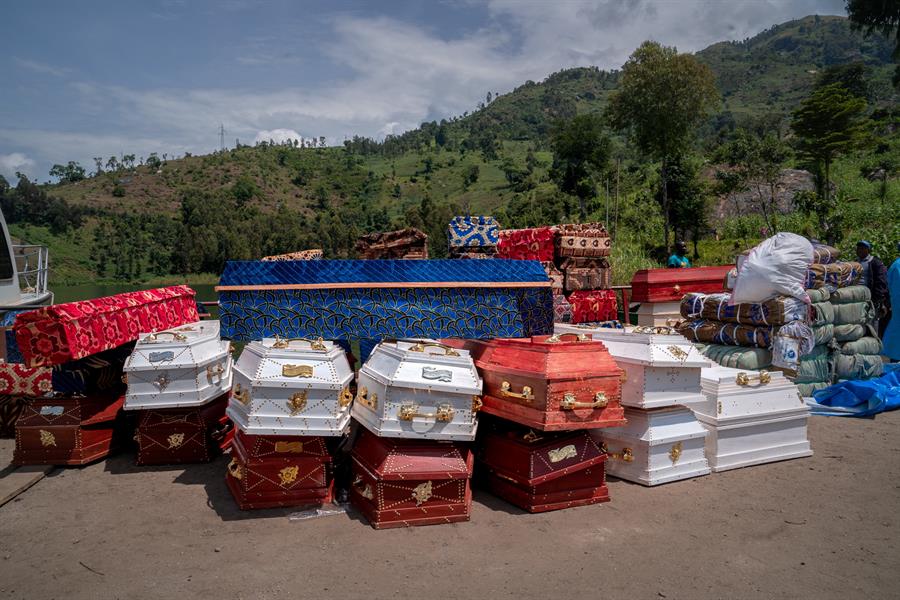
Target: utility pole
<point x="607" y="203"/>
<point x="222" y="137"/>
<point x="616" y="230"/>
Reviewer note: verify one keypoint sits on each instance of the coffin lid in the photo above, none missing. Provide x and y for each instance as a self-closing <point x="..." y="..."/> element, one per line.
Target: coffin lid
<point x="394" y="459"/>
<point x="539" y="456"/>
<point x="265" y="362"/>
<point x="194" y="344"/>
<point x="553" y="357"/>
<point x="713" y="275"/>
<point x="652" y="346"/>
<point x="89" y="410"/>
<point x="403" y="363"/>
<point x="719" y="378"/>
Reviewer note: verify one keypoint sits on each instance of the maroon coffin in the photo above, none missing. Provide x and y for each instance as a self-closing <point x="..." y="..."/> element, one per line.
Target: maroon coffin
<point x="183" y="435"/>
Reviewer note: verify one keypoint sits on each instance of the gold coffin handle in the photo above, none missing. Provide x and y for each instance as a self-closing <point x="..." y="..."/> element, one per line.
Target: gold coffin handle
<point x="241" y="395"/>
<point x="626" y="455"/>
<point x="527" y="394"/>
<point x="654" y="330"/>
<point x="558" y="337"/>
<point x="346" y="398"/>
<point x="178" y="337"/>
<point x="763" y="377"/>
<point x="212" y="371"/>
<point x="408" y="412"/>
<point x="362" y="397"/>
<point x="569" y="402"/>
<point x="235" y="469"/>
<point x="421" y="346"/>
<point x="317" y="344"/>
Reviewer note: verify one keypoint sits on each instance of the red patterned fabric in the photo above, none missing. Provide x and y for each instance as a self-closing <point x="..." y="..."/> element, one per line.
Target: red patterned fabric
<point x="19" y="380"/>
<point x="593" y="305"/>
<point x="527" y="244"/>
<point x="64" y="332"/>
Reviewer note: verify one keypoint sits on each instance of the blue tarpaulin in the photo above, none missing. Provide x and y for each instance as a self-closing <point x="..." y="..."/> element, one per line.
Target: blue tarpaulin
<point x="859" y="398"/>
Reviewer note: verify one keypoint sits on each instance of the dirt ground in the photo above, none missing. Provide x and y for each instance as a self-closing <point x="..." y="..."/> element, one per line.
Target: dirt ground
<point x="821" y="527"/>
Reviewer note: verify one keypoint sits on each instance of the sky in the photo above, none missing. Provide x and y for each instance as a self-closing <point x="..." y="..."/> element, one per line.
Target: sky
<point x="94" y="79"/>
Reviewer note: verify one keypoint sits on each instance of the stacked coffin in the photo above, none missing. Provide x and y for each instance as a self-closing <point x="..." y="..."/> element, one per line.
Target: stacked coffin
<point x="69" y="377"/>
<point x="545" y="392"/>
<point x="418" y="402"/>
<point x="662" y="441"/>
<point x="288" y="396"/>
<point x="409" y="243"/>
<point x="751" y="418"/>
<point x="473" y="237"/>
<point x="660" y="291"/>
<point x="178" y="382"/>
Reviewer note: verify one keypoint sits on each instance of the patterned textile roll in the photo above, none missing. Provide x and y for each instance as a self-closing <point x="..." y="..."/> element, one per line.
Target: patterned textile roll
<point x="727" y="334"/>
<point x="824" y="254"/>
<point x="312" y="254"/>
<point x="836" y="275"/>
<point x="777" y="311"/>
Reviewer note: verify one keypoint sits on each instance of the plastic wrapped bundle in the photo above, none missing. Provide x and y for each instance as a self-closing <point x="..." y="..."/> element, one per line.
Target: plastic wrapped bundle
<point x="775" y="267"/>
<point x="858" y="366"/>
<point x="849" y="333"/>
<point x="824" y="254"/>
<point x="856" y="313"/>
<point x="814" y="367"/>
<point x="864" y="345"/>
<point x="727" y="334"/>
<point x="776" y="311"/>
<point x="791" y="342"/>
<point x="819" y="295"/>
<point x="808" y="389"/>
<point x="823" y="334"/>
<point x="736" y="357"/>
<point x="834" y="276"/>
<point x="822" y="313"/>
<point x="851" y="295"/>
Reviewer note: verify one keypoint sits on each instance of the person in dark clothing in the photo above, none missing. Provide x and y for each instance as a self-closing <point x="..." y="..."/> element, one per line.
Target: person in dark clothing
<point x="679" y="259"/>
<point x="874" y="276"/>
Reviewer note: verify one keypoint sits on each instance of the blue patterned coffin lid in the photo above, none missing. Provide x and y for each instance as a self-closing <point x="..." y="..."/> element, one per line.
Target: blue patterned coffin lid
<point x="473" y="231"/>
<point x="381" y="274"/>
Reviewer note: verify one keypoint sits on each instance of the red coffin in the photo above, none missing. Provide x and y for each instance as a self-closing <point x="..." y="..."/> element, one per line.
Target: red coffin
<point x="269" y="471"/>
<point x="551" y="383"/>
<point x="63" y="332"/>
<point x="540" y="472"/>
<point x="670" y="285"/>
<point x="183" y="435"/>
<point x="66" y="431"/>
<point x="527" y="244"/>
<point x="402" y="483"/>
<point x="590" y="306"/>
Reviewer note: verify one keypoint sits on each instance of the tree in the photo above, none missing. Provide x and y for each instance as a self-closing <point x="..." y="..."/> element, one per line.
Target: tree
<point x="98" y="162"/>
<point x="687" y="199"/>
<point x="662" y="98"/>
<point x="878" y="15"/>
<point x="827" y="124"/>
<point x="68" y="173"/>
<point x="153" y="161"/>
<point x="853" y="76"/>
<point x="470" y="176"/>
<point x="580" y="151"/>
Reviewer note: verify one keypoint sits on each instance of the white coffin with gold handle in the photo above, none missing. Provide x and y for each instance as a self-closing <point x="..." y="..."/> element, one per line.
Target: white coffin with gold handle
<point x="178" y="368"/>
<point x="291" y="387"/>
<point x="753" y="417"/>
<point x="656" y="446"/>
<point x="662" y="368"/>
<point x="418" y="389"/>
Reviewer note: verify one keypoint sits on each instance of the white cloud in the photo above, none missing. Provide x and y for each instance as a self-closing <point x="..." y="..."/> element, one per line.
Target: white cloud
<point x="42" y="68"/>
<point x="15" y="161"/>
<point x="279" y="136"/>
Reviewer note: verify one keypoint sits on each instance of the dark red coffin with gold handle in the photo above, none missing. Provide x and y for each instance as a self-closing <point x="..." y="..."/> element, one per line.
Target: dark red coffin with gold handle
<point x="551" y="383"/>
<point x="540" y="472"/>
<point x="183" y="435"/>
<point x="402" y="483"/>
<point x="269" y="471"/>
<point x="66" y="431"/>
<point x="670" y="285"/>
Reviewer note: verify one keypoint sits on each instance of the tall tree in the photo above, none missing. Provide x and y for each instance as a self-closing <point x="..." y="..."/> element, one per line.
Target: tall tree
<point x="878" y="15"/>
<point x="580" y="152"/>
<point x="829" y="123"/>
<point x="663" y="97"/>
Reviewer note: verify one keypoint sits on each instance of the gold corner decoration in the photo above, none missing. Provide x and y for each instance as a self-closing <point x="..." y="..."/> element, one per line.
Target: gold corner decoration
<point x="288" y="475"/>
<point x="368" y="400"/>
<point x="175" y="440"/>
<point x="477" y="403"/>
<point x="235" y="469"/>
<point x="346" y="398"/>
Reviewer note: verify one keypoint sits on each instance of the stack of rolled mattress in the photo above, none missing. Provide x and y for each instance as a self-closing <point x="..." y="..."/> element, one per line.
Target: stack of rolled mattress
<point x="857" y="349"/>
<point x="814" y="370"/>
<point x="709" y="319"/>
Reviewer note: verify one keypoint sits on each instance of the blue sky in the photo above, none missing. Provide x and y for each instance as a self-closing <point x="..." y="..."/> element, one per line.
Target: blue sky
<point x="88" y="78"/>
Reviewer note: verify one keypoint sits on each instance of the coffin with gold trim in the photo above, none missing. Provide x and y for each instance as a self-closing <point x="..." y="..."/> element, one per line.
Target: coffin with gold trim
<point x="402" y="483"/>
<point x="183" y="435"/>
<point x="418" y="389"/>
<point x="550" y="383"/>
<point x="292" y="387"/>
<point x="66" y="430"/>
<point x="543" y="471"/>
<point x="274" y="471"/>
<point x="662" y="368"/>
<point x="182" y="367"/>
<point x="658" y="445"/>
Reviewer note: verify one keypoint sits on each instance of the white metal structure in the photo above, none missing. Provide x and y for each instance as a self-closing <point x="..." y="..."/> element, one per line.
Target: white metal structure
<point x="23" y="274"/>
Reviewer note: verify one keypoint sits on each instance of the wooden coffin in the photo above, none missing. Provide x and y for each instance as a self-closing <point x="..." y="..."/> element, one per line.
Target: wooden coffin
<point x="178" y="368"/>
<point x="274" y="471"/>
<point x="670" y="285"/>
<point x="659" y="314"/>
<point x="751" y="418"/>
<point x="96" y="374"/>
<point x="403" y="483"/>
<point x="658" y="445"/>
<point x="183" y="435"/>
<point x="540" y="472"/>
<point x="662" y="368"/>
<point x="292" y="387"/>
<point x="66" y="431"/>
<point x="537" y="243"/>
<point x="550" y="383"/>
<point x="406" y="243"/>
<point x="418" y="389"/>
<point x="583" y="240"/>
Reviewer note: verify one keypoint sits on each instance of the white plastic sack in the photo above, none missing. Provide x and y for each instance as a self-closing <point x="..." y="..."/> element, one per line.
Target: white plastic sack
<point x="791" y="342"/>
<point x="775" y="267"/>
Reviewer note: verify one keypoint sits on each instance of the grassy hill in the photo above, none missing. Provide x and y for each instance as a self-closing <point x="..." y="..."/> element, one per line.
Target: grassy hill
<point x="249" y="201"/>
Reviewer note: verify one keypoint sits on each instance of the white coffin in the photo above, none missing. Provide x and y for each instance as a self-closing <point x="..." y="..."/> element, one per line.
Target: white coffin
<point x="656" y="446"/>
<point x="181" y="367"/>
<point x="418" y="389"/>
<point x="657" y="314"/>
<point x="662" y="368"/>
<point x="752" y="418"/>
<point x="291" y="387"/>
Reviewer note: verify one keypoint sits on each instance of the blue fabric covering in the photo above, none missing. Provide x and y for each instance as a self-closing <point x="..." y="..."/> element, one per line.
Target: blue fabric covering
<point x="13" y="354"/>
<point x="859" y="398"/>
<point x="892" y="333"/>
<point x="473" y="232"/>
<point x="380" y="271"/>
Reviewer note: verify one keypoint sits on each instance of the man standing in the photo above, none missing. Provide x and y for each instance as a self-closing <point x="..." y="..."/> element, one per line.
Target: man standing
<point x="874" y="276"/>
<point x="891" y="335"/>
<point x="679" y="260"/>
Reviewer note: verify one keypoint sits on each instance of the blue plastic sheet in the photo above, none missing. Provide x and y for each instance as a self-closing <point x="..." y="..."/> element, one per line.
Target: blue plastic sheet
<point x="859" y="398"/>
